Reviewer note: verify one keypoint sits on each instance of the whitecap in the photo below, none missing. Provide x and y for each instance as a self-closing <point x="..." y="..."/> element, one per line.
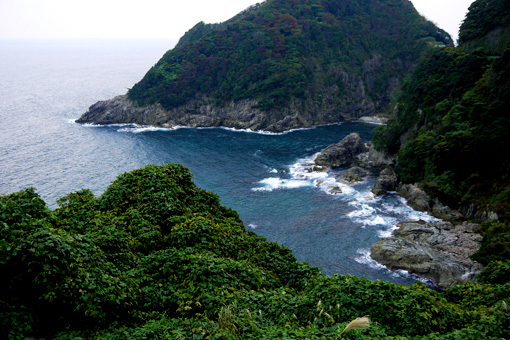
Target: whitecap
<point x="387" y="232"/>
<point x="253" y="226"/>
<point x="363" y="257"/>
<point x="272" y="183"/>
<point x="363" y="211"/>
<point x="273" y="171"/>
<point x="412" y="214"/>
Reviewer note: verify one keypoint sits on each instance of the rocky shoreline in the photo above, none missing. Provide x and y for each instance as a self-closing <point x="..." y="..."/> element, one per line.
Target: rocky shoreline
<point x="203" y="112"/>
<point x="437" y="251"/>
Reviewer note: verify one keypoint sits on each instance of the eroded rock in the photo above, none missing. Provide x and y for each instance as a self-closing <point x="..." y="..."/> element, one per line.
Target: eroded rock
<point x="355" y="174"/>
<point x="342" y="153"/>
<point x="439" y="251"/>
<point x="387" y="181"/>
<point x="419" y="200"/>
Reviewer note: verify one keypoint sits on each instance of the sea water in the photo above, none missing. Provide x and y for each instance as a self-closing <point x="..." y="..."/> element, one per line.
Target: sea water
<point x="266" y="177"/>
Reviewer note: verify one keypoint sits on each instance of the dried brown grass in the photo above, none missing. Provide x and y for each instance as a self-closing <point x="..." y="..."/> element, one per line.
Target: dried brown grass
<point x="358" y="323"/>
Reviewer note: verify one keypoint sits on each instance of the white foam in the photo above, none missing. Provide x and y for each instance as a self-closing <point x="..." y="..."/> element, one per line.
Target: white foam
<point x="253" y="226"/>
<point x="273" y="183"/>
<point x="412" y="214"/>
<point x="364" y="257"/>
<point x="387" y="232"/>
<point x="92" y="125"/>
<point x="302" y="174"/>
<point x="265" y="132"/>
<point x="364" y="211"/>
<point x="260" y="132"/>
<point x="141" y="129"/>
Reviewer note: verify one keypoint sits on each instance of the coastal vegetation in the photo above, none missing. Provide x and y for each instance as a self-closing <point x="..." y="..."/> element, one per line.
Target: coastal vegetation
<point x="279" y="51"/>
<point x="155" y="257"/>
<point x="450" y="130"/>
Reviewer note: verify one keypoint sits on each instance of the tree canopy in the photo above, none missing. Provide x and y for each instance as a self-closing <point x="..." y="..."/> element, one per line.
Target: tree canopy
<point x="285" y="49"/>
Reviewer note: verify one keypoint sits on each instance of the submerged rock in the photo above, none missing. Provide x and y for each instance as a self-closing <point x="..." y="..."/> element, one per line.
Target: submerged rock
<point x="439" y="251"/>
<point x="341" y="153"/>
<point x="356" y="174"/>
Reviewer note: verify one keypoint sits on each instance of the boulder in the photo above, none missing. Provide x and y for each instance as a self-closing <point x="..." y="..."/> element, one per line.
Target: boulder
<point x="387" y="181"/>
<point x="439" y="251"/>
<point x="416" y="197"/>
<point x="342" y="153"/>
<point x="419" y="200"/>
<point x="355" y="174"/>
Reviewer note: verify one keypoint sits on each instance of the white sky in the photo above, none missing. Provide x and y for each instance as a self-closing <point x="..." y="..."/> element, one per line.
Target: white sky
<point x="154" y="19"/>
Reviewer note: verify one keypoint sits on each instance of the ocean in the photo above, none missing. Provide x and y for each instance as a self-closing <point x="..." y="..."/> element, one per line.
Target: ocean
<point x="265" y="177"/>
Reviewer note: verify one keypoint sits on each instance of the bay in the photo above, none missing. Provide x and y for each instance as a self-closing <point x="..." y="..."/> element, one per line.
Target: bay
<point x="46" y="85"/>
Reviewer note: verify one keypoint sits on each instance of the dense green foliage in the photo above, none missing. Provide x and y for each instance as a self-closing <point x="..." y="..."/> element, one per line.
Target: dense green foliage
<point x="451" y="129"/>
<point x="483" y="17"/>
<point x="285" y="49"/>
<point x="155" y="257"/>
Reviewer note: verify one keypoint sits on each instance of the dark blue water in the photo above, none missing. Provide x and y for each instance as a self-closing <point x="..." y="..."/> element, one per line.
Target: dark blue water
<point x="265" y="177"/>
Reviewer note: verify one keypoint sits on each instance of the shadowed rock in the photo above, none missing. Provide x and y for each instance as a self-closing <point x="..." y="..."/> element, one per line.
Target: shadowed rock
<point x="356" y="174"/>
<point x="342" y="153"/>
<point x="387" y="181"/>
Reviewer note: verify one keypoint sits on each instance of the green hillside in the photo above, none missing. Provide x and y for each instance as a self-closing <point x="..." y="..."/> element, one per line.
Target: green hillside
<point x="451" y="129"/>
<point x="155" y="257"/>
<point x="285" y="53"/>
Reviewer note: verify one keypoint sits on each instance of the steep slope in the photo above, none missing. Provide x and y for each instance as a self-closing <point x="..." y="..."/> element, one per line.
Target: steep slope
<point x="452" y="123"/>
<point x="281" y="64"/>
<point x="155" y="257"/>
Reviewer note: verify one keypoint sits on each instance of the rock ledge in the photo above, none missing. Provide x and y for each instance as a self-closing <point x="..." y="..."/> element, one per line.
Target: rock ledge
<point x="439" y="251"/>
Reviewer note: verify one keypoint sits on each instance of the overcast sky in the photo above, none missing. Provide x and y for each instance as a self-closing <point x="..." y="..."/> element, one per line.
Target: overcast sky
<point x="154" y="19"/>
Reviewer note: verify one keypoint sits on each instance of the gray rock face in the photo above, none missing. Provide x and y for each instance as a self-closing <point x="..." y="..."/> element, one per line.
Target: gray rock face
<point x="374" y="159"/>
<point x="342" y="153"/>
<point x="419" y="200"/>
<point x="201" y="111"/>
<point x="387" y="181"/>
<point x="439" y="251"/>
<point x="472" y="211"/>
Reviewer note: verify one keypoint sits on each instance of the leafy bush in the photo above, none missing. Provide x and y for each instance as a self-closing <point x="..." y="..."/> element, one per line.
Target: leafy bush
<point x="157" y="257"/>
<point x="497" y="272"/>
<point x="495" y="244"/>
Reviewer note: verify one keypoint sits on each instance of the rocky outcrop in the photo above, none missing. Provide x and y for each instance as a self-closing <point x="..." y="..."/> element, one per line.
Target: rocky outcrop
<point x="439" y="251"/>
<point x="202" y="111"/>
<point x="419" y="200"/>
<point x="474" y="212"/>
<point x="387" y="181"/>
<point x="342" y="153"/>
<point x="196" y="113"/>
<point x="373" y="159"/>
